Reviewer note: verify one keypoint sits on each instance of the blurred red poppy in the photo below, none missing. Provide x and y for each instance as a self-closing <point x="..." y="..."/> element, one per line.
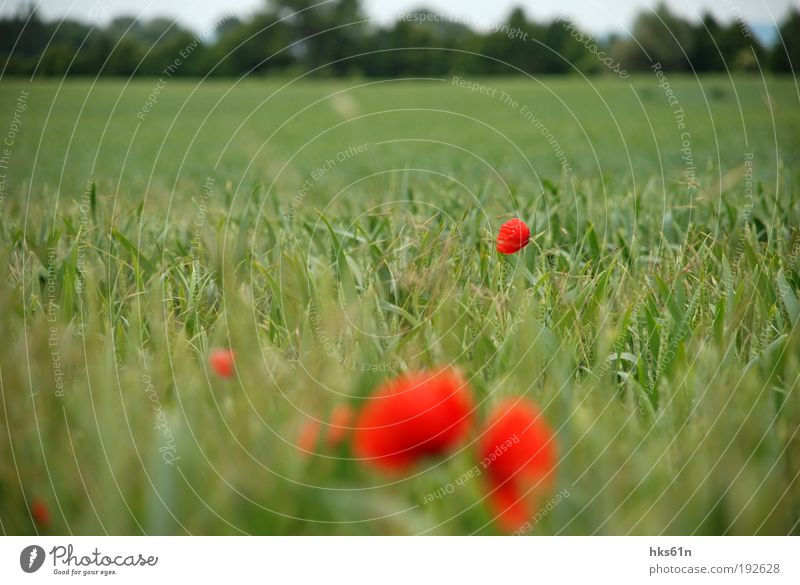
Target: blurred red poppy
<point x="221" y="361"/>
<point x="413" y="416"/>
<point x="337" y="429"/>
<point x="40" y="513"/>
<point x="514" y="235"/>
<point x="518" y="453"/>
<point x="308" y="435"/>
<point x="339" y="426"/>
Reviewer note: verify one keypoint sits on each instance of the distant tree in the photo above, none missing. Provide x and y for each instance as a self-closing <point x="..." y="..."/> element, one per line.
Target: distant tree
<point x="705" y="52"/>
<point x="566" y="52"/>
<point x="469" y="59"/>
<point x="22" y="39"/>
<point x="70" y="33"/>
<point x="322" y="35"/>
<point x="59" y="57"/>
<point x="24" y="32"/>
<point x="659" y="37"/>
<point x="56" y="60"/>
<point x="517" y="42"/>
<point x="124" y="58"/>
<point x="124" y="26"/>
<point x="227" y="25"/>
<point x="741" y="48"/>
<point x="424" y="43"/>
<point x="91" y="57"/>
<point x="785" y="55"/>
<point x="255" y="46"/>
<point x="161" y="30"/>
<point x="407" y="48"/>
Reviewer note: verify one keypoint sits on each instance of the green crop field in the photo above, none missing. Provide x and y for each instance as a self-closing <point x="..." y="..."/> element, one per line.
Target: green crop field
<point x="337" y="233"/>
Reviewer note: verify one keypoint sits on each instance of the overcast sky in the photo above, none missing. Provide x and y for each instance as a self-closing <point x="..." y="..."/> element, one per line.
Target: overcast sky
<point x="596" y="16"/>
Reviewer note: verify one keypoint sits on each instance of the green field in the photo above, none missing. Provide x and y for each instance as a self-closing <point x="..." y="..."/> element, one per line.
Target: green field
<point x="334" y="233"/>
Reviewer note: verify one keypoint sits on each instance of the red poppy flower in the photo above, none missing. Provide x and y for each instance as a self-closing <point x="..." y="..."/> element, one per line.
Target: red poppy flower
<point x="518" y="452"/>
<point x="340" y="422"/>
<point x="413" y="416"/>
<point x="40" y="513"/>
<point x="308" y="435"/>
<point x="221" y="361"/>
<point x="514" y="235"/>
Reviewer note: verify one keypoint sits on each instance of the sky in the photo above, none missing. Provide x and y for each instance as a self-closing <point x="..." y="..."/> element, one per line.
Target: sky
<point x="595" y="16"/>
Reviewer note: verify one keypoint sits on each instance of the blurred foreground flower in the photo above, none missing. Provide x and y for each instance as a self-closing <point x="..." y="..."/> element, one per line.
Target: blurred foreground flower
<point x="518" y="452"/>
<point x="308" y="435"/>
<point x="514" y="235"/>
<point x="40" y="513"/>
<point x="221" y="361"/>
<point x="338" y="428"/>
<point x="340" y="422"/>
<point x="413" y="416"/>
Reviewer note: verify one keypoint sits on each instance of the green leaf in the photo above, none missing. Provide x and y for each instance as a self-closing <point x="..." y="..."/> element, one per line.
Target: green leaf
<point x="789" y="299"/>
<point x="387" y="306"/>
<point x="140" y="258"/>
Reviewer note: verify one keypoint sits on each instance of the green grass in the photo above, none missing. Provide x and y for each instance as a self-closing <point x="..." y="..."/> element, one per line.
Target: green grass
<point x="653" y="319"/>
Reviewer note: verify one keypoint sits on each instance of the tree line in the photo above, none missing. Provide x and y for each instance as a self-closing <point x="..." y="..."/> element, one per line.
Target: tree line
<point x="337" y="39"/>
